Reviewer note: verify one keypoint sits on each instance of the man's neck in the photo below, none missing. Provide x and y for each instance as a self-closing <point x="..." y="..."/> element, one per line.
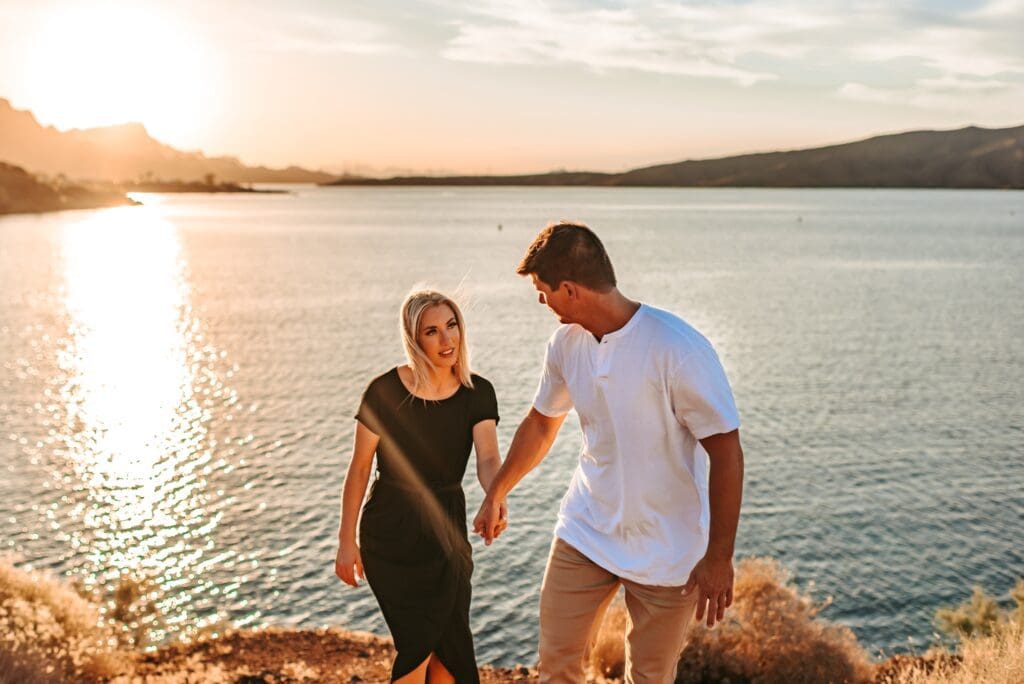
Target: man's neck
<point x="611" y="311"/>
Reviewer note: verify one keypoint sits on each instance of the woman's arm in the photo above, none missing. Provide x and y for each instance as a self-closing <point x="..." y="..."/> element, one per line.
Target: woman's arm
<point x="351" y="500"/>
<point x="488" y="456"/>
<point x="531" y="443"/>
<point x="488" y="462"/>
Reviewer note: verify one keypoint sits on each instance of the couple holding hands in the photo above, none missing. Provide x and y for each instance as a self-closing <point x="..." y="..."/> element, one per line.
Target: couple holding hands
<point x="653" y="505"/>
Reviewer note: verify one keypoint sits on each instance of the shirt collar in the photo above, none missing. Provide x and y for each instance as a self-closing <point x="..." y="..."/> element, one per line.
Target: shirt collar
<point x="633" y="321"/>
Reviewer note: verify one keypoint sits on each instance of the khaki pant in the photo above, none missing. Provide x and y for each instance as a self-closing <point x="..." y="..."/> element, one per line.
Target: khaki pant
<point x="573" y="599"/>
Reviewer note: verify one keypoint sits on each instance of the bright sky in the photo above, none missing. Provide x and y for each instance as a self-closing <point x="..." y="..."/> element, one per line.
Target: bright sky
<point x="509" y="86"/>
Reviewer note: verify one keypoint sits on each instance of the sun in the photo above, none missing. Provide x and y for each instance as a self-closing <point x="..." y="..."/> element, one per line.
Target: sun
<point x="102" y="64"/>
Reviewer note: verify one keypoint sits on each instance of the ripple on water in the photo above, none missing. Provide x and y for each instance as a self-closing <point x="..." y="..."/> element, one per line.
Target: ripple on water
<point x="178" y="385"/>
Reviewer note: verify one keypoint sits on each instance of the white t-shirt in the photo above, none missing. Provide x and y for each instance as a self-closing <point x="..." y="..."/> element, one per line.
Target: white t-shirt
<point x="638" y="502"/>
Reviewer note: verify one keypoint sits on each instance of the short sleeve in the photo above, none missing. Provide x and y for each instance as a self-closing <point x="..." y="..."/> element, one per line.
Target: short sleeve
<point x="701" y="397"/>
<point x="484" y="405"/>
<point x="552" y="398"/>
<point x="369" y="412"/>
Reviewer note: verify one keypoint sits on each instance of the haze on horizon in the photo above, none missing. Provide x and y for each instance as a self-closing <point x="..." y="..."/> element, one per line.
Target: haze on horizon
<point x="511" y="87"/>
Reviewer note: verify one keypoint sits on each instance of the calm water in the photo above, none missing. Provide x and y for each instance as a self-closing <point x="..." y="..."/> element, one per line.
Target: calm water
<point x="178" y="382"/>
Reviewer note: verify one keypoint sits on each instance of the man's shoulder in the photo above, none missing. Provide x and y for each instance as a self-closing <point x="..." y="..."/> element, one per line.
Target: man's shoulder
<point x="567" y="334"/>
<point x="671" y="334"/>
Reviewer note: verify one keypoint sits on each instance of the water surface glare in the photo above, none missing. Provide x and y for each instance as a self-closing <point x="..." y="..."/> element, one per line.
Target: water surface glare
<point x="179" y="379"/>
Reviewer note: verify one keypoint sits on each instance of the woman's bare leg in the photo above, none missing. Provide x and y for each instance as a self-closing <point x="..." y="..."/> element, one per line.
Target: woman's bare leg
<point x="437" y="673"/>
<point x="417" y="676"/>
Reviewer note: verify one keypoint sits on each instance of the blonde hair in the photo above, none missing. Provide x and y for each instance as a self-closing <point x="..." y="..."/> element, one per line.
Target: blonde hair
<point x="409" y="317"/>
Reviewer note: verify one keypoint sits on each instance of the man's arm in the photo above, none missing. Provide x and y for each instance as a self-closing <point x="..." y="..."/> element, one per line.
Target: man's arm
<point x="712" y="577"/>
<point x="531" y="443"/>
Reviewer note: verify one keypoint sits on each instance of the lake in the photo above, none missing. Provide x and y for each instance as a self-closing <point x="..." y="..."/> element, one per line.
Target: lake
<point x="179" y="380"/>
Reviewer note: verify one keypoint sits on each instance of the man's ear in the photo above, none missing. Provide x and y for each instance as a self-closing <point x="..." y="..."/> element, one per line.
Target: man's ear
<point x="572" y="290"/>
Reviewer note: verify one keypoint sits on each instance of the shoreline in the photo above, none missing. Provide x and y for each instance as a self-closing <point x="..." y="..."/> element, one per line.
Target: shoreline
<point x="21" y="192"/>
<point x="193" y="187"/>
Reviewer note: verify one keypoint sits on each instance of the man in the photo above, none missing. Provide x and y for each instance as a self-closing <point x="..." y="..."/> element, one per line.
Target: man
<point x="654" y="503"/>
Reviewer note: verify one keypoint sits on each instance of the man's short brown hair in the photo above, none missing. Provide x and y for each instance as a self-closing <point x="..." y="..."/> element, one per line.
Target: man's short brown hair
<point x="569" y="251"/>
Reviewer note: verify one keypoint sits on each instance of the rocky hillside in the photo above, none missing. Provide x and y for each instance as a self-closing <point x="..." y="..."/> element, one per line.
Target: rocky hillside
<point x="122" y="153"/>
<point x="21" y="192"/>
<point x="967" y="158"/>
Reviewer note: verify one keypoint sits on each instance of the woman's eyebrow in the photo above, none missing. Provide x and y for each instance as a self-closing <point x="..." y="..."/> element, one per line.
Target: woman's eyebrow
<point x="452" y="320"/>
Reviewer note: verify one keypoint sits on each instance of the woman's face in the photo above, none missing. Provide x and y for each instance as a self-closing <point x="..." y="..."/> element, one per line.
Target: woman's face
<point x="439" y="335"/>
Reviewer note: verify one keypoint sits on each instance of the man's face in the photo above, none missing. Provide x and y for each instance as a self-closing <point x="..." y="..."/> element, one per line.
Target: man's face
<point x="557" y="300"/>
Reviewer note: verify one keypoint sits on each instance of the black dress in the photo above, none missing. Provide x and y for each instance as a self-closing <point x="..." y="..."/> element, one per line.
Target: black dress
<point x="412" y="534"/>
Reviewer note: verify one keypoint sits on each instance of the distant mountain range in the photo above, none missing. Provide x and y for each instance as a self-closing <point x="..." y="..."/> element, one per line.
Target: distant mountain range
<point x="966" y="158"/>
<point x="122" y="153"/>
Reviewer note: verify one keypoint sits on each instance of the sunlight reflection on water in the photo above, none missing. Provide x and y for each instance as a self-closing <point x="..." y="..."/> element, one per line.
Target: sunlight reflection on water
<point x="128" y="418"/>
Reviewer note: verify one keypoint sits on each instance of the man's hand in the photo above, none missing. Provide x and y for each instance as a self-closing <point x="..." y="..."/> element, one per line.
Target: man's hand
<point x="348" y="564"/>
<point x="711" y="579"/>
<point x="491" y="520"/>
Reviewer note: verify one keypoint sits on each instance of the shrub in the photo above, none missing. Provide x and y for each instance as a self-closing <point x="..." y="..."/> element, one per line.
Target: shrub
<point x="994" y="659"/>
<point x="991" y="649"/>
<point x="981" y="616"/>
<point x="607" y="657"/>
<point x="48" y="633"/>
<point x="770" y="634"/>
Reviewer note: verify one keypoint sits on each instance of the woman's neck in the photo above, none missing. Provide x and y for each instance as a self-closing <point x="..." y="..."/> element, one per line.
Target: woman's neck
<point x="440" y="383"/>
<point x="441" y="378"/>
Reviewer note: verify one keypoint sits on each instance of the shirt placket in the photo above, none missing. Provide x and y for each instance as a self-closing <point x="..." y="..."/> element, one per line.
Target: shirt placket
<point x="603" y="358"/>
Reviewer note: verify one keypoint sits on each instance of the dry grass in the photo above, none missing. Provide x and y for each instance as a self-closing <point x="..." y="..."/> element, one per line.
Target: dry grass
<point x="770" y="634"/>
<point x="48" y="633"/>
<point x="607" y="657"/>
<point x="981" y="615"/>
<point x="991" y="644"/>
<point x="52" y="634"/>
<point x="995" y="659"/>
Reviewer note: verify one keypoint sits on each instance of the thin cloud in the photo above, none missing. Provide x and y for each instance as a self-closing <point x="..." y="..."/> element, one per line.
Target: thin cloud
<point x="947" y="51"/>
<point x="727" y="40"/>
<point x="304" y="33"/>
<point x="734" y="30"/>
<point x="862" y="93"/>
<point x="956" y="85"/>
<point x="598" y="39"/>
<point x="945" y="93"/>
<point x="972" y="56"/>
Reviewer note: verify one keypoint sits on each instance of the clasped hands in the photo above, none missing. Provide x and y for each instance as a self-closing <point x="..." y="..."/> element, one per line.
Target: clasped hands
<point x="491" y="520"/>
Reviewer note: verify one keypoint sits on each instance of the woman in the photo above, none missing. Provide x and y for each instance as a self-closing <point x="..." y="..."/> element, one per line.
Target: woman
<point x="421" y="420"/>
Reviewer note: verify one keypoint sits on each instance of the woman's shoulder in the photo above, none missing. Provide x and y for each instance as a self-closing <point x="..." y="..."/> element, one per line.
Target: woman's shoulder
<point x="482" y="384"/>
<point x="383" y="382"/>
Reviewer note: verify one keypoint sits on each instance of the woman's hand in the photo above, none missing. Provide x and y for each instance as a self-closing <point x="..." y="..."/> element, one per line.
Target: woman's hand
<point x="491" y="520"/>
<point x="348" y="558"/>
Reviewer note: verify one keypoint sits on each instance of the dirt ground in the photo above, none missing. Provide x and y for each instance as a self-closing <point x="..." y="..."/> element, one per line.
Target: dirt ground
<point x="284" y="656"/>
<point x="329" y="655"/>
